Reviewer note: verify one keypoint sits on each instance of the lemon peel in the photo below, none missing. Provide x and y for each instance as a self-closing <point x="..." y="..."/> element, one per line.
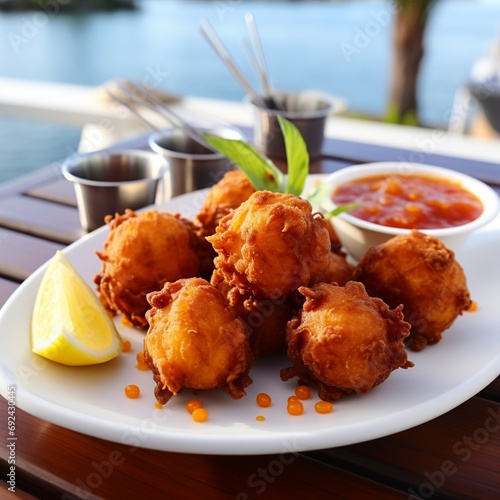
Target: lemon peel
<point x="69" y="324"/>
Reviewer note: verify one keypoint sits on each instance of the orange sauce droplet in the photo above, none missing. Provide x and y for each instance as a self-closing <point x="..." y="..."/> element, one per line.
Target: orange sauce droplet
<point x="199" y="415"/>
<point x="295" y="408"/>
<point x="132" y="391"/>
<point x="303" y="392"/>
<point x="141" y="364"/>
<point x="473" y="306"/>
<point x="126" y="346"/>
<point x="263" y="400"/>
<point x="323" y="407"/>
<point x="125" y="321"/>
<point x="192" y="405"/>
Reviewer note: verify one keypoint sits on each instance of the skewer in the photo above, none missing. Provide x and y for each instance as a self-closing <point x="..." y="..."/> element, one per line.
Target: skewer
<point x="259" y="54"/>
<point x="141" y="96"/>
<point x="131" y="108"/>
<point x="258" y="61"/>
<point x="216" y="43"/>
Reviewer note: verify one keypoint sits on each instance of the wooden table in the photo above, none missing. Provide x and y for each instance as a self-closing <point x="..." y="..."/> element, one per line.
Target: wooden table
<point x="454" y="456"/>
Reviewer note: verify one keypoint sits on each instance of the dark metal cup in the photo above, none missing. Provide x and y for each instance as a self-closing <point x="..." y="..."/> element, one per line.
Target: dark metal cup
<point x="192" y="165"/>
<point x="307" y="110"/>
<point x="106" y="183"/>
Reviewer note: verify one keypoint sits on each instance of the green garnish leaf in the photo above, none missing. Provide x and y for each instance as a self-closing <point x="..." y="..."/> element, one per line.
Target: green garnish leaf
<point x="262" y="172"/>
<point x="318" y="195"/>
<point x="317" y="199"/>
<point x="265" y="175"/>
<point x="340" y="209"/>
<point x="296" y="155"/>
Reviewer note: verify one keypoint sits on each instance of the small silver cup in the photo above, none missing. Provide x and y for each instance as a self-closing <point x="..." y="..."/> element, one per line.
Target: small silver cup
<point x="307" y="110"/>
<point x="107" y="182"/>
<point x="192" y="165"/>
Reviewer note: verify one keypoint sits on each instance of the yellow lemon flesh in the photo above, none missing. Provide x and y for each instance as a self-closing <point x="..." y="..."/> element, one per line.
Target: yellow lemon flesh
<point x="69" y="325"/>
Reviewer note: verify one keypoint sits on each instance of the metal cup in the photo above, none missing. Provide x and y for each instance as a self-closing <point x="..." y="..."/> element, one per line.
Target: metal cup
<point x="307" y="110"/>
<point x="106" y="183"/>
<point x="192" y="165"/>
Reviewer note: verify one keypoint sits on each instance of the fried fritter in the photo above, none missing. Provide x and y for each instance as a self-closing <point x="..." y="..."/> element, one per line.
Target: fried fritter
<point x="345" y="341"/>
<point x="418" y="271"/>
<point x="229" y="193"/>
<point x="335" y="241"/>
<point x="271" y="244"/>
<point x="195" y="341"/>
<point x="339" y="270"/>
<point x="265" y="320"/>
<point x="141" y="253"/>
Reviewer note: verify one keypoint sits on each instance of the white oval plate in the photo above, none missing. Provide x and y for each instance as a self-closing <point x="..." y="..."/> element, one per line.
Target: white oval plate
<point x="91" y="399"/>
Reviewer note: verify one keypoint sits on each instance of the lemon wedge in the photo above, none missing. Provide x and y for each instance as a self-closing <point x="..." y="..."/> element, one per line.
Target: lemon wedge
<point x="69" y="325"/>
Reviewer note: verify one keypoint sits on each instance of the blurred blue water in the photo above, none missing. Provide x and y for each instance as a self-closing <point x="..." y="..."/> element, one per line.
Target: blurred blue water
<point x="342" y="47"/>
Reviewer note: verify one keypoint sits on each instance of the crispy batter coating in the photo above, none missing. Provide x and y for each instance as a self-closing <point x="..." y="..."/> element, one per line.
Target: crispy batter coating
<point x="339" y="270"/>
<point x="418" y="271"/>
<point x="195" y="341"/>
<point x="141" y="253"/>
<point x="335" y="241"/>
<point x="271" y="244"/>
<point x="265" y="319"/>
<point x="229" y="193"/>
<point x="344" y="340"/>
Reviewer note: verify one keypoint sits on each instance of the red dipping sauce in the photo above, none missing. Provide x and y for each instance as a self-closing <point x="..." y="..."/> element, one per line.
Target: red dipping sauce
<point x="409" y="201"/>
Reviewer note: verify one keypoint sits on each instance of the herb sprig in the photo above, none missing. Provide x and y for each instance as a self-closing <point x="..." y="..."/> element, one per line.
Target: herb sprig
<point x="262" y="172"/>
<point x="265" y="175"/>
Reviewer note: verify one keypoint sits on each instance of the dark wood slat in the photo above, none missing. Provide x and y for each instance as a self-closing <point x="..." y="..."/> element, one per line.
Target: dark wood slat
<point x="23" y="495"/>
<point x="58" y="190"/>
<point x="40" y="218"/>
<point x="492" y="391"/>
<point x="29" y="181"/>
<point x="23" y="254"/>
<point x="77" y="463"/>
<point x="7" y="288"/>
<point x="453" y="456"/>
<point x="328" y="165"/>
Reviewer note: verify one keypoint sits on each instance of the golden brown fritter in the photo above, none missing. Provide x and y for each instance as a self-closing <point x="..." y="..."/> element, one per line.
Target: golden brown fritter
<point x="345" y="341"/>
<point x="229" y="193"/>
<point x="264" y="319"/>
<point x="271" y="244"/>
<point x="339" y="270"/>
<point x="141" y="253"/>
<point x="195" y="341"/>
<point x="418" y="271"/>
<point x="335" y="241"/>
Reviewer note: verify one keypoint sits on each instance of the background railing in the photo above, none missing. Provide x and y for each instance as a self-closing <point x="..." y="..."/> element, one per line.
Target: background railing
<point x="103" y="122"/>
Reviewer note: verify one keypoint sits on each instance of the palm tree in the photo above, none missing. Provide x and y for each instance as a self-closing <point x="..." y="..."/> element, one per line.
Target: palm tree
<point x="408" y="45"/>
